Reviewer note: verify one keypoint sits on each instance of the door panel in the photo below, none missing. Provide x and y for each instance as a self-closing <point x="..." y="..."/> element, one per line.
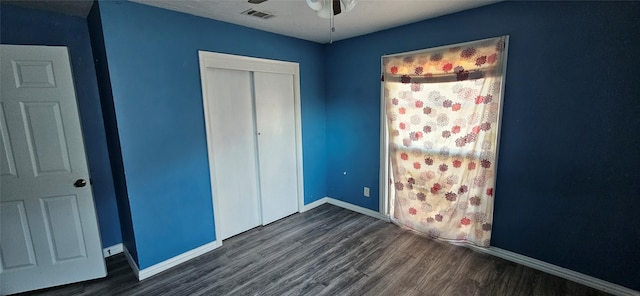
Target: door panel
<point x="233" y="133"/>
<point x="49" y="228"/>
<point x="45" y="138"/>
<point x="17" y="252"/>
<point x="64" y="231"/>
<point x="7" y="161"/>
<point x="33" y="73"/>
<point x="274" y="104"/>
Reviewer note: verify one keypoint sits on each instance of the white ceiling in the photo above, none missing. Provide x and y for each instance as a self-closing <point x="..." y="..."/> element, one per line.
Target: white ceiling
<point x="292" y="17"/>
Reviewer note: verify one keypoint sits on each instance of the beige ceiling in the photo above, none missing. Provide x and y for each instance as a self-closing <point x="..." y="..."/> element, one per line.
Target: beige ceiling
<point x="293" y="17"/>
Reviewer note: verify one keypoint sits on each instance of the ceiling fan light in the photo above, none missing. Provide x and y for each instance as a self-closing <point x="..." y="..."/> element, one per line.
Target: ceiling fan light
<point x="348" y="4"/>
<point x="326" y="10"/>
<point x="316" y="5"/>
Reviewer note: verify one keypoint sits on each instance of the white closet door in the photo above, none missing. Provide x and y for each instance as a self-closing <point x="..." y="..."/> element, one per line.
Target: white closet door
<point x="232" y="129"/>
<point x="275" y="118"/>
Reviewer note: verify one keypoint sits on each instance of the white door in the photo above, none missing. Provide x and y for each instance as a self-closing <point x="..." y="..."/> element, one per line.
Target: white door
<point x="274" y="104"/>
<point x="253" y="136"/>
<point x="49" y="233"/>
<point x="232" y="129"/>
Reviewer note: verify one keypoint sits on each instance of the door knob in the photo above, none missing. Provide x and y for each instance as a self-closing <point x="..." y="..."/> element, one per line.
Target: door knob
<point x="80" y="183"/>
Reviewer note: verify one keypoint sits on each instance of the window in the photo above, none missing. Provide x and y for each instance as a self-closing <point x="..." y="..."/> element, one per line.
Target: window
<point x="442" y="114"/>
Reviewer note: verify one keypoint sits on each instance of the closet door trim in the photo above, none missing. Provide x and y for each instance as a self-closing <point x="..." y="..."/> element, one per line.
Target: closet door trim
<point x="243" y="63"/>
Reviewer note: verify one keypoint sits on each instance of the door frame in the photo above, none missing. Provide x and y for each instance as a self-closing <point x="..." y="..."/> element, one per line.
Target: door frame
<point x="209" y="59"/>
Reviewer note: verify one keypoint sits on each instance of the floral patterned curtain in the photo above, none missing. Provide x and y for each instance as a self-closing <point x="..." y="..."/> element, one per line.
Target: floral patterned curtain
<point x="443" y="113"/>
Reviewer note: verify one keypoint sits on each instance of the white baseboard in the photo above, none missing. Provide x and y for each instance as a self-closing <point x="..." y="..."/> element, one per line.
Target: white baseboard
<point x="132" y="263"/>
<point x="357" y="209"/>
<point x="314" y="204"/>
<point x="558" y="271"/>
<point x="113" y="250"/>
<point x="344" y="205"/>
<point x="171" y="262"/>
<point x="504" y="254"/>
<point x="186" y="256"/>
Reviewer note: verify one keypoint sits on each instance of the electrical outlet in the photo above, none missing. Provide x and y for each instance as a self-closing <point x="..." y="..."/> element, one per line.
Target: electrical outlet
<point x="366" y="191"/>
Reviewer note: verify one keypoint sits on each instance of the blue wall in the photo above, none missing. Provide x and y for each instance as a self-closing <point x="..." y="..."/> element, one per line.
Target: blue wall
<point x="567" y="189"/>
<point x="153" y="68"/>
<point x="35" y="27"/>
<point x="111" y="130"/>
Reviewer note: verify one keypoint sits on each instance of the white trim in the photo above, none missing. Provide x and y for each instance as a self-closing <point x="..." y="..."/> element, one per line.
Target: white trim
<point x="236" y="62"/>
<point x="504" y="254"/>
<point x="171" y="262"/>
<point x="314" y="204"/>
<point x="132" y="262"/>
<point x="209" y="135"/>
<point x="357" y="209"/>
<point x="501" y="108"/>
<point x="345" y="205"/>
<point x="557" y="271"/>
<point x="383" y="195"/>
<point x="251" y="64"/>
<point x="113" y="250"/>
<point x="298" y="122"/>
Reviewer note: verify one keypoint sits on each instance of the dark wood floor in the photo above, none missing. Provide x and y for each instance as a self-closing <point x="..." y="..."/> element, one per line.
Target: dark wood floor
<point x="331" y="251"/>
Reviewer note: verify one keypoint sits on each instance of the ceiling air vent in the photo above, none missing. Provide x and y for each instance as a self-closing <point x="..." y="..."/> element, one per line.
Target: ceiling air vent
<point x="259" y="14"/>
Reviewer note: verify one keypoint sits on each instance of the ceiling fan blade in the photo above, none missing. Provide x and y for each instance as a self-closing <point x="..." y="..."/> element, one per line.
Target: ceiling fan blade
<point x="336" y="7"/>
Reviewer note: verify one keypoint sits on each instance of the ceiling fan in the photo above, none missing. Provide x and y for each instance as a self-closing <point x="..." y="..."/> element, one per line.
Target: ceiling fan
<point x="328" y="8"/>
<point x="325" y="9"/>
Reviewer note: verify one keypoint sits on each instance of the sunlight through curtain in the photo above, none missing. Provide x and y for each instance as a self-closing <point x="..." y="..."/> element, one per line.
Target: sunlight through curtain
<point x="443" y="113"/>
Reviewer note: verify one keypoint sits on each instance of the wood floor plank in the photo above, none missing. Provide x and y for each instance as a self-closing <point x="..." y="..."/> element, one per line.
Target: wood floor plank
<point x="345" y="284"/>
<point x="331" y="251"/>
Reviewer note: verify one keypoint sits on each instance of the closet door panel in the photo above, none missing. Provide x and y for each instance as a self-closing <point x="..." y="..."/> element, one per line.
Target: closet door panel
<point x="275" y="117"/>
<point x="235" y="164"/>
